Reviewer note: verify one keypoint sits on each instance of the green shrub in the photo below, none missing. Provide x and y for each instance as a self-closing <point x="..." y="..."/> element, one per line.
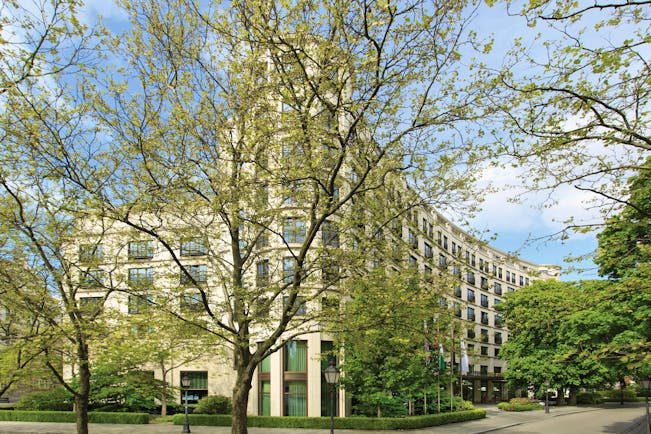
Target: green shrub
<point x="363" y="423"/>
<point x="58" y="399"/>
<point x="588" y="398"/>
<point x="522" y="401"/>
<point x="508" y="406"/>
<point x="69" y="416"/>
<point x="616" y="395"/>
<point x="214" y="404"/>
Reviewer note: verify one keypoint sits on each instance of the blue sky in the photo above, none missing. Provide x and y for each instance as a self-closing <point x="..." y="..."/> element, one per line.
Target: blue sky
<point x="522" y="228"/>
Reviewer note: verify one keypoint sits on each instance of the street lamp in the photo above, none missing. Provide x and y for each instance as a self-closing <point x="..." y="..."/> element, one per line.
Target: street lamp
<point x="547" y="396"/>
<point x="331" y="374"/>
<point x="646" y="384"/>
<point x="185" y="384"/>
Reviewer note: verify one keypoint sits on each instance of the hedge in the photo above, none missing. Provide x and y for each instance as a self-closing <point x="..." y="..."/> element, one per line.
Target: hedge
<point x="70" y="416"/>
<point x="362" y="423"/>
<point x="507" y="406"/>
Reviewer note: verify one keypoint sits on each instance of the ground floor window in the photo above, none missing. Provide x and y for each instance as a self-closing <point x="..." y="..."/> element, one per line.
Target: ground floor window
<point x="264" y="386"/>
<point x="198" y="386"/>
<point x="328" y="356"/>
<point x="295" y="378"/>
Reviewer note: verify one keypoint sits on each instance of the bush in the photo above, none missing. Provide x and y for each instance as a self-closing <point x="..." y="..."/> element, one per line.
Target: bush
<point x="69" y="416"/>
<point x="367" y="423"/>
<point x="616" y="395"/>
<point x="520" y="404"/>
<point x="58" y="399"/>
<point x="214" y="404"/>
<point x="588" y="398"/>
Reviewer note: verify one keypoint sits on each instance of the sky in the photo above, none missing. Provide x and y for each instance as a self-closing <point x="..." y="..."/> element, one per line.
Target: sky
<point x="522" y="228"/>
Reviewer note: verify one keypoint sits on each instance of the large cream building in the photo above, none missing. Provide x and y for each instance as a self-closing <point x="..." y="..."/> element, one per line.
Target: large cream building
<point x="290" y="381"/>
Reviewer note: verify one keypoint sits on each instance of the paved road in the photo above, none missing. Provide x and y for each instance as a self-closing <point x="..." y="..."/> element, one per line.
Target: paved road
<point x="571" y="420"/>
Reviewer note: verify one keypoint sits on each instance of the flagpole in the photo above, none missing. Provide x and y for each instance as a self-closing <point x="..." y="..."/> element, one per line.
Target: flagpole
<point x="452" y="374"/>
<point x="438" y="389"/>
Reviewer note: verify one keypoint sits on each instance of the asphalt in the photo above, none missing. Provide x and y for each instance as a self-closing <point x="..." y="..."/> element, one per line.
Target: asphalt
<point x="630" y="420"/>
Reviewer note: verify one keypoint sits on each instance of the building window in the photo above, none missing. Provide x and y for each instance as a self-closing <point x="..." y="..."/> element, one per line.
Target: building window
<point x="198" y="386"/>
<point x="526" y="281"/>
<point x="301" y="308"/>
<point x="443" y="261"/>
<point x="327" y="356"/>
<point x="499" y="272"/>
<point x="498" y="321"/>
<point x="484" y="318"/>
<point x="470" y="314"/>
<point x="264" y="388"/>
<point x="471" y="277"/>
<point x="445" y="242"/>
<point x="330" y="234"/>
<point x="457" y="309"/>
<point x="192" y="302"/>
<point x="498" y="288"/>
<point x="508" y="276"/>
<point x="139" y="303"/>
<point x="427" y="250"/>
<point x="483" y="370"/>
<point x="413" y="261"/>
<point x="91" y="279"/>
<point x="484" y="300"/>
<point x="293" y="230"/>
<point x="498" y="338"/>
<point x="496" y="352"/>
<point x="289" y="265"/>
<point x="197" y="272"/>
<point x="141" y="276"/>
<point x="454" y="248"/>
<point x="262" y="240"/>
<point x="262" y="273"/>
<point x="457" y="291"/>
<point x="143" y="249"/>
<point x="497" y="369"/>
<point x="412" y="239"/>
<point x="295" y="378"/>
<point x="483" y="283"/>
<point x="196" y="246"/>
<point x="484" y="335"/>
<point x="470" y="295"/>
<point x="91" y="253"/>
<point x="91" y="305"/>
<point x="456" y="270"/>
<point x="471" y="335"/>
<point x="428" y="274"/>
<point x="484" y="350"/>
<point x="521" y="280"/>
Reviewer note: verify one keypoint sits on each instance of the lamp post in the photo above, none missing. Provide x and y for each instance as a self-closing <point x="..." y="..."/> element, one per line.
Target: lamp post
<point x="646" y="384"/>
<point x="331" y="374"/>
<point x="547" y="396"/>
<point x="185" y="384"/>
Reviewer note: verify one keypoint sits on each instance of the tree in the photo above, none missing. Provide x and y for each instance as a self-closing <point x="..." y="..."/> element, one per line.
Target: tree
<point x="266" y="125"/>
<point x="21" y="323"/>
<point x="625" y="241"/>
<point x="567" y="332"/>
<point x="575" y="102"/>
<point x="40" y="39"/>
<point x="389" y="319"/>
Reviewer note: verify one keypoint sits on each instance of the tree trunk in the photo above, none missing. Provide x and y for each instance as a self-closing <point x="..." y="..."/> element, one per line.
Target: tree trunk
<point x="241" y="401"/>
<point x="83" y="393"/>
<point x="573" y="393"/>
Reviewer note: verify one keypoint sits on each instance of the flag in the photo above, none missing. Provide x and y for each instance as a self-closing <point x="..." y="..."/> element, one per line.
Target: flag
<point x="464" y="359"/>
<point x="441" y="360"/>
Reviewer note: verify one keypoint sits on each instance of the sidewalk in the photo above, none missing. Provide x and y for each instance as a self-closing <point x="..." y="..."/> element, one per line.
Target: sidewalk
<point x="495" y="420"/>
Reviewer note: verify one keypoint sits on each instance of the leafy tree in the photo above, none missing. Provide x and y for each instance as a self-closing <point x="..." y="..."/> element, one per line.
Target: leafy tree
<point x="575" y="100"/>
<point x="625" y="242"/>
<point x="389" y="318"/>
<point x="264" y="126"/>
